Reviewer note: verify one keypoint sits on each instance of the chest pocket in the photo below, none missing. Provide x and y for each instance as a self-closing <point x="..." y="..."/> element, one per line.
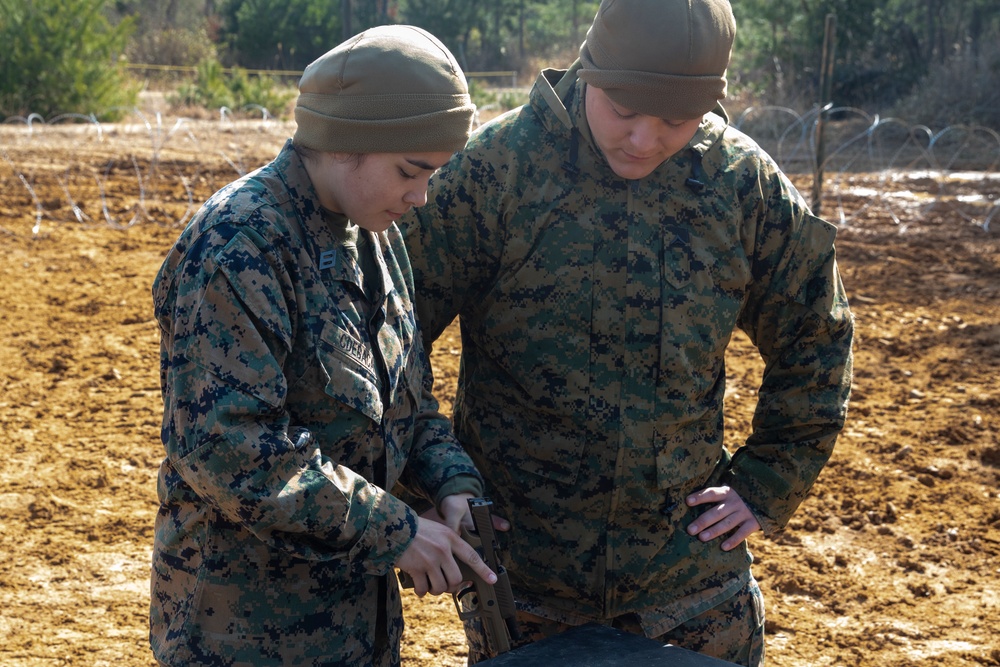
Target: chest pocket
<point x="349" y="371"/>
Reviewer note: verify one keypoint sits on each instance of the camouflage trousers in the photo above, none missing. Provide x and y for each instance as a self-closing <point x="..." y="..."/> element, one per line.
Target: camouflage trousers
<point x="731" y="631"/>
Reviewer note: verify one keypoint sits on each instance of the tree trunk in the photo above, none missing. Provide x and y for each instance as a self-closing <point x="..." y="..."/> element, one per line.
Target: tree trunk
<point x="345" y="19"/>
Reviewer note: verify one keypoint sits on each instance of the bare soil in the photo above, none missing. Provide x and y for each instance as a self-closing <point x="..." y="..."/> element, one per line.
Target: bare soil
<point x="893" y="560"/>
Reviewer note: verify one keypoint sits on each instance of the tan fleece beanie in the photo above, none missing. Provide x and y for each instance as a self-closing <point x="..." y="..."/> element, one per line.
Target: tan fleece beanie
<point x="663" y="58"/>
<point x="390" y="89"/>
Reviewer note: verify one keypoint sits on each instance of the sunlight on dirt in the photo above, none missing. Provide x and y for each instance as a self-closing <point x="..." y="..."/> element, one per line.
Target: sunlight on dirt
<point x="893" y="560"/>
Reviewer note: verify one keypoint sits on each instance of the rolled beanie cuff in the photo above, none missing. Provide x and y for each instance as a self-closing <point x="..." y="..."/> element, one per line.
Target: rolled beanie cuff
<point x="380" y="107"/>
<point x="668" y="96"/>
<point x="445" y="130"/>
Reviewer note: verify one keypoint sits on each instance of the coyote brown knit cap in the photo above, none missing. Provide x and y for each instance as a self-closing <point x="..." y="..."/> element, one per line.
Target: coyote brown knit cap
<point x="390" y="89"/>
<point x="664" y="58"/>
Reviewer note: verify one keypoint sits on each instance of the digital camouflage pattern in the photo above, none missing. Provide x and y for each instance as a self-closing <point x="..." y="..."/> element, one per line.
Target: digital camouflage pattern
<point x="292" y="400"/>
<point x="595" y="314"/>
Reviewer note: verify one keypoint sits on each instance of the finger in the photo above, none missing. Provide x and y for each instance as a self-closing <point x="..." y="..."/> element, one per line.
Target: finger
<point x="713" y="494"/>
<point x="469" y="556"/>
<point x="747" y="527"/>
<point x="452" y="574"/>
<point x="716" y="522"/>
<point x="420" y="585"/>
<point x="708" y="519"/>
<point x="738" y="527"/>
<point x="709" y="533"/>
<point x="500" y="523"/>
<point x="458" y="519"/>
<point x="737" y="538"/>
<point x="456" y="513"/>
<point x="438" y="581"/>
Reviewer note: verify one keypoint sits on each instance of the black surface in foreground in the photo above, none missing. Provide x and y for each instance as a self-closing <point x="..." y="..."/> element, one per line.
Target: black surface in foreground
<point x="595" y="645"/>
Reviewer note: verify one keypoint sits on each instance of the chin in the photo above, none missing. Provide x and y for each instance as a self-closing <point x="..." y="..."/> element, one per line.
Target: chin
<point x="631" y="172"/>
<point x="376" y="227"/>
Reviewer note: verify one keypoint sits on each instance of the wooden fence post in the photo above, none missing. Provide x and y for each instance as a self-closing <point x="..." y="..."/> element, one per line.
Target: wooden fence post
<point x="825" y="103"/>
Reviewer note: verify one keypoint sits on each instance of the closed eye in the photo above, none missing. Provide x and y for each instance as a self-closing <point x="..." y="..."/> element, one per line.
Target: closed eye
<point x="618" y="113"/>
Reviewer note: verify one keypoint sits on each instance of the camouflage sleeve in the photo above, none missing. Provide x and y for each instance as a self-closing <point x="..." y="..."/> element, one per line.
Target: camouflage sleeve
<point x="798" y="317"/>
<point x="229" y="435"/>
<point x="437" y="464"/>
<point x="453" y="241"/>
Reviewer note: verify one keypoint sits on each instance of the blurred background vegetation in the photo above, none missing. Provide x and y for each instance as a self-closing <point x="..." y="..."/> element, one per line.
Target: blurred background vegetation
<point x="935" y="62"/>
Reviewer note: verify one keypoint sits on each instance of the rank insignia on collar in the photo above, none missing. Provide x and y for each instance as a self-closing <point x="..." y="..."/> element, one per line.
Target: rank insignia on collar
<point x="328" y="259"/>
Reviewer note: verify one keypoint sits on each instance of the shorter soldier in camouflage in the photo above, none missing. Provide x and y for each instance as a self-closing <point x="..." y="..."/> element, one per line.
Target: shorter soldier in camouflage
<point x="600" y="246"/>
<point x="296" y="387"/>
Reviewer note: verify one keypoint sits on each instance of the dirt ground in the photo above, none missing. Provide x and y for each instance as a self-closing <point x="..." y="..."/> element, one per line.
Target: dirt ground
<point x="893" y="560"/>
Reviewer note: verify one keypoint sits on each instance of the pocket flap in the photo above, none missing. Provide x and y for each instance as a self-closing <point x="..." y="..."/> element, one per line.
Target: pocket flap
<point x="350" y="370"/>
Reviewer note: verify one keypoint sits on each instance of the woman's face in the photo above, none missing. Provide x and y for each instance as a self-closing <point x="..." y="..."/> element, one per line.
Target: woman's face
<point x="632" y="143"/>
<point x="374" y="189"/>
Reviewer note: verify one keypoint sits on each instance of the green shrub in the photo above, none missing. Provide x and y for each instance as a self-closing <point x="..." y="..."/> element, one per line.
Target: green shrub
<point x="209" y="88"/>
<point x="481" y="96"/>
<point x="963" y="90"/>
<point x="238" y="90"/>
<point x="173" y="46"/>
<point x="511" y="99"/>
<point x="62" y="56"/>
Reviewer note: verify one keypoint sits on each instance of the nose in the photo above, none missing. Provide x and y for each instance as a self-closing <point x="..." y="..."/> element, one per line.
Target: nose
<point x="644" y="136"/>
<point x="417" y="196"/>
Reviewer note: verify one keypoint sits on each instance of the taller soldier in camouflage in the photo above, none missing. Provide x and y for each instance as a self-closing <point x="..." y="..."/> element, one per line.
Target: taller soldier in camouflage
<point x="296" y="388"/>
<point x="598" y="278"/>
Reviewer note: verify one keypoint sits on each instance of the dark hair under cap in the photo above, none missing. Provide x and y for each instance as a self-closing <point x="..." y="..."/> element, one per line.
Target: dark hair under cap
<point x="664" y="58"/>
<point x="390" y="89"/>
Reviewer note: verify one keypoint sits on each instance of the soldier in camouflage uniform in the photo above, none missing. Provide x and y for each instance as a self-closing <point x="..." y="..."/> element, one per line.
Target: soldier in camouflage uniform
<point x="600" y="246"/>
<point x="296" y="388"/>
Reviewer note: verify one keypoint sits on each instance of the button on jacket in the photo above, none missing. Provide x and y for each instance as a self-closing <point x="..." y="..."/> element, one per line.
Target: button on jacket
<point x="295" y="391"/>
<point x="595" y="313"/>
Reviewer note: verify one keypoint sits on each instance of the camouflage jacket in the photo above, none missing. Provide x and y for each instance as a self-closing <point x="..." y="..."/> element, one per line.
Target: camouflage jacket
<point x="595" y="313"/>
<point x="291" y="402"/>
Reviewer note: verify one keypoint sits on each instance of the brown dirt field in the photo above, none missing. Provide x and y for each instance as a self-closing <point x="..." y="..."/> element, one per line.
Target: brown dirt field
<point x="893" y="560"/>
